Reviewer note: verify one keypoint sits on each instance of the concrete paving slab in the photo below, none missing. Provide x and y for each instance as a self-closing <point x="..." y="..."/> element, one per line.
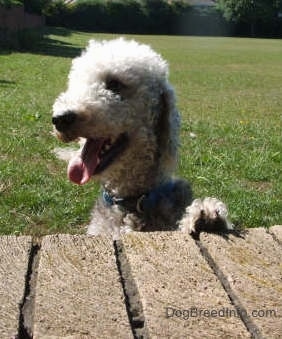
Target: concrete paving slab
<point x="78" y="293"/>
<point x="277" y="232"/>
<point x="252" y="266"/>
<point x="180" y="294"/>
<point x="14" y="259"/>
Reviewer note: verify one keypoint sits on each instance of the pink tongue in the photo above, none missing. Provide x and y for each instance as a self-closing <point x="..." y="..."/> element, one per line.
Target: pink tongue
<point x="81" y="169"/>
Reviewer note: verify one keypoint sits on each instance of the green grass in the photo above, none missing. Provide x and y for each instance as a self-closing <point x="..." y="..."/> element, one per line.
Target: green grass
<point x="229" y="94"/>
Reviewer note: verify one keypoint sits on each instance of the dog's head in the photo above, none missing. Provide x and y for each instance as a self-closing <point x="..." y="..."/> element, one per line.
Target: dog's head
<point x="118" y="99"/>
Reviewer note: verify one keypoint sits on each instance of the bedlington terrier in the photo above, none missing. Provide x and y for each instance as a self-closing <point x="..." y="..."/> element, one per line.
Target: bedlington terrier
<point x="121" y="107"/>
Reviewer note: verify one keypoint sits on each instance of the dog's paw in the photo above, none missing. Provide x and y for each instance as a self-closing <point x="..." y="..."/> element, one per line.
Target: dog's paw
<point x="209" y="215"/>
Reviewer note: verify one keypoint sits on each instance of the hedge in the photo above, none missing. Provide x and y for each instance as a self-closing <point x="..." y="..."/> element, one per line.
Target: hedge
<point x="133" y="16"/>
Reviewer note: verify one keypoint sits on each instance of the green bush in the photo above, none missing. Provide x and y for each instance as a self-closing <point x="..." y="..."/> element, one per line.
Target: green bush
<point x="126" y="16"/>
<point x="133" y="16"/>
<point x="55" y="12"/>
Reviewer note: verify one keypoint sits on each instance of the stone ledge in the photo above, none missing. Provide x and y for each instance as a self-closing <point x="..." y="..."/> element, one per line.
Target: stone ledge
<point x="157" y="285"/>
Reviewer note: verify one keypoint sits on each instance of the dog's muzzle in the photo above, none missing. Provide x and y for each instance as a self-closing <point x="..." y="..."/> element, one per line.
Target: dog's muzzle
<point x="64" y="121"/>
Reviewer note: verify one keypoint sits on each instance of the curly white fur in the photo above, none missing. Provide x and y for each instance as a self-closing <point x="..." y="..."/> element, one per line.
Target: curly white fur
<point x="121" y="87"/>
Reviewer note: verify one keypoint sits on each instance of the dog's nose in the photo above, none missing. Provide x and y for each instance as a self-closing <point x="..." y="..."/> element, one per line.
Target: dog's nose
<point x="64" y="121"/>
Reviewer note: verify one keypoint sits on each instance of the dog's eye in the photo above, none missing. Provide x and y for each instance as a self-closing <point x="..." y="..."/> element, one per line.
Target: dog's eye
<point x="114" y="85"/>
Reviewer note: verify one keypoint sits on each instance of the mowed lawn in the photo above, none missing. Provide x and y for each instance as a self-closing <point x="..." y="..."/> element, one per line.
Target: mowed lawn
<point x="229" y="93"/>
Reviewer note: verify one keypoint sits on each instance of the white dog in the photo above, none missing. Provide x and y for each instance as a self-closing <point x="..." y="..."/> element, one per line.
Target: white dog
<point x="120" y="104"/>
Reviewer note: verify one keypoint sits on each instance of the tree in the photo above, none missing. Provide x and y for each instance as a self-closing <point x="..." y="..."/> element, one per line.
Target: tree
<point x="36" y="6"/>
<point x="251" y="12"/>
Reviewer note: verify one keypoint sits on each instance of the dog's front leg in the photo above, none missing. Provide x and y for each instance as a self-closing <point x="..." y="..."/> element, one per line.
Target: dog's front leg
<point x="105" y="220"/>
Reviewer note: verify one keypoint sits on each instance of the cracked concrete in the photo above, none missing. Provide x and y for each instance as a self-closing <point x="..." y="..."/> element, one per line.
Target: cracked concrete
<point x="147" y="285"/>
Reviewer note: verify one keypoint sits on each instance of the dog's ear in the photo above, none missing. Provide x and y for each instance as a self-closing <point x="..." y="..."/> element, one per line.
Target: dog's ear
<point x="167" y="129"/>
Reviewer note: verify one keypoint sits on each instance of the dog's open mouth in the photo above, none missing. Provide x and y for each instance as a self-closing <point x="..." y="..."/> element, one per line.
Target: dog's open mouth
<point x="96" y="155"/>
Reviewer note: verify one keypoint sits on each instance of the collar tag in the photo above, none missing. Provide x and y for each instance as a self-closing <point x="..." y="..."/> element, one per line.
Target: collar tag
<point x="108" y="199"/>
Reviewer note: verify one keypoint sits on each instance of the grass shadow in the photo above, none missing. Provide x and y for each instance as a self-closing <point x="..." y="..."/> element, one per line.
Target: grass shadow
<point x="4" y="50"/>
<point x="60" y="31"/>
<point x="6" y="83"/>
<point x="44" y="41"/>
<point x="51" y="46"/>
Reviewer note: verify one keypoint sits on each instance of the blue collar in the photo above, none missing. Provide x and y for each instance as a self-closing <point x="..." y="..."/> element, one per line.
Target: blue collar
<point x="130" y="204"/>
<point x="144" y="203"/>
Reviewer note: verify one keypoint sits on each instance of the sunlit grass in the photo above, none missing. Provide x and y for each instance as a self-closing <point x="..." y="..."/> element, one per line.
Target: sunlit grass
<point x="229" y="93"/>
